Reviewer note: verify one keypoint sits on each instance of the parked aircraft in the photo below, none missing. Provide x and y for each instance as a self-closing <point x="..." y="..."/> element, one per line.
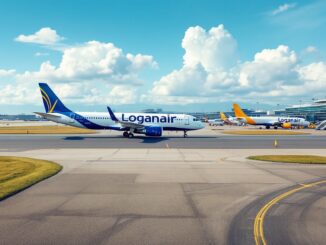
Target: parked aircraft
<point x="130" y="123"/>
<point x="215" y="122"/>
<point x="269" y="121"/>
<point x="230" y="120"/>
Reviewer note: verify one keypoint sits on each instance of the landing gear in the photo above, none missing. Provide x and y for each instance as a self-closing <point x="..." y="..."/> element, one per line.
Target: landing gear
<point x="275" y="127"/>
<point x="128" y="134"/>
<point x="268" y="127"/>
<point x="125" y="134"/>
<point x="185" y="134"/>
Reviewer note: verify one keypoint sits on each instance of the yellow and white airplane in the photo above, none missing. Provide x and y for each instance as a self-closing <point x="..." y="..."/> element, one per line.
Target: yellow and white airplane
<point x="269" y="121"/>
<point x="229" y="120"/>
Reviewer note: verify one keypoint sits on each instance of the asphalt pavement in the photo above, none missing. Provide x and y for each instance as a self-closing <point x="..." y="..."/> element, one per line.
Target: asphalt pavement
<point x="28" y="142"/>
<point x="161" y="196"/>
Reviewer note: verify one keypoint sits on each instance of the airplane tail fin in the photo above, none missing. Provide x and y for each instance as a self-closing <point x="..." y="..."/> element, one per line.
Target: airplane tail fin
<point x="223" y="117"/>
<point x="50" y="100"/>
<point x="238" y="111"/>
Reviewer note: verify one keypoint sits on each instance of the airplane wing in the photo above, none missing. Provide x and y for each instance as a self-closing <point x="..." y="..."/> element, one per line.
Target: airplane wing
<point x="47" y="115"/>
<point x="124" y="124"/>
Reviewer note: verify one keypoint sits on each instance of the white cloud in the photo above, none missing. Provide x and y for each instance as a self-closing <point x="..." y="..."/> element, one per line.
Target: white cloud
<point x="122" y="94"/>
<point x="311" y="49"/>
<point x="5" y="73"/>
<point x="212" y="49"/>
<point x="283" y="8"/>
<point x="83" y="74"/>
<point x="45" y="36"/>
<point x="273" y="74"/>
<point x="17" y="95"/>
<point x="38" y="54"/>
<point x="101" y="73"/>
<point x="270" y="68"/>
<point x="94" y="61"/>
<point x="101" y="60"/>
<point x="209" y="55"/>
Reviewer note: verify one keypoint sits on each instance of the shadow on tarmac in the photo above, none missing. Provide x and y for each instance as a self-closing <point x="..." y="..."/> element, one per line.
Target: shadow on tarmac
<point x="146" y="139"/>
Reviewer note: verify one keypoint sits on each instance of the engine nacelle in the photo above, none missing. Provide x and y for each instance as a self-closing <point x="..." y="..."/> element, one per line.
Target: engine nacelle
<point x="153" y="131"/>
<point x="286" y="125"/>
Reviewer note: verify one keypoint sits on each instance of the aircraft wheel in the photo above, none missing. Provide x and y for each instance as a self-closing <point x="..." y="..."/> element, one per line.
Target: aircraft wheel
<point x="125" y="134"/>
<point x="275" y="127"/>
<point x="131" y="135"/>
<point x="185" y="134"/>
<point x="268" y="127"/>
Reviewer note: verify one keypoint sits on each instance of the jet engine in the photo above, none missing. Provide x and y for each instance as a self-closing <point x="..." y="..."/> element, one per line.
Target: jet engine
<point x="153" y="131"/>
<point x="286" y="125"/>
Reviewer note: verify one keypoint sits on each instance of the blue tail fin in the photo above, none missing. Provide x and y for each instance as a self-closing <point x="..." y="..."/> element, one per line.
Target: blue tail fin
<point x="51" y="102"/>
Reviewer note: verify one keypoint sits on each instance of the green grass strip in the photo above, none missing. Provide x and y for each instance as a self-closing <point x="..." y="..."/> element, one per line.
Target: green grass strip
<point x="307" y="159"/>
<point x="18" y="173"/>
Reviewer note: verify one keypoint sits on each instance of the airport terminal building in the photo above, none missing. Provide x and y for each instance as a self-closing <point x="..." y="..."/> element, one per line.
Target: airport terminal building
<point x="314" y="112"/>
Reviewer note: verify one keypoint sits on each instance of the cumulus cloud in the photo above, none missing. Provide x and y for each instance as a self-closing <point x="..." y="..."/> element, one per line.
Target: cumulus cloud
<point x="270" y="68"/>
<point x="94" y="61"/>
<point x="45" y="36"/>
<point x="209" y="55"/>
<point x="272" y="74"/>
<point x="212" y="49"/>
<point x="84" y="69"/>
<point x="101" y="73"/>
<point x="5" y="73"/>
<point x="283" y="8"/>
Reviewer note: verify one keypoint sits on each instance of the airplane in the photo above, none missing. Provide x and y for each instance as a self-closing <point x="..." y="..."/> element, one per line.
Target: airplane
<point x="130" y="123"/>
<point x="269" y="121"/>
<point x="215" y="122"/>
<point x="229" y="120"/>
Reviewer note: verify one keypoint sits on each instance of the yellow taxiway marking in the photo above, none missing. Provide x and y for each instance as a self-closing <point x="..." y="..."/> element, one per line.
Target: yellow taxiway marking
<point x="259" y="220"/>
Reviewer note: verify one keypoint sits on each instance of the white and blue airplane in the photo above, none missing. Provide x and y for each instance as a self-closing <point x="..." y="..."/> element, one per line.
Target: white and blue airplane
<point x="130" y="123"/>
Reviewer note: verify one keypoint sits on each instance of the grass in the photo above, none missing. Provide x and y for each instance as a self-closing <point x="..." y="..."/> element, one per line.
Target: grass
<point x="263" y="132"/>
<point x="44" y="130"/>
<point x="18" y="173"/>
<point x="308" y="159"/>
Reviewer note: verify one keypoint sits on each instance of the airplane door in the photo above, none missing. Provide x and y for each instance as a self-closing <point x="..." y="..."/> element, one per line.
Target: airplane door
<point x="187" y="121"/>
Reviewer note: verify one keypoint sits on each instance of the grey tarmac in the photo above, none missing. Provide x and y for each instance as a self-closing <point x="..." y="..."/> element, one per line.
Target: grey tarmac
<point x="29" y="142"/>
<point x="153" y="196"/>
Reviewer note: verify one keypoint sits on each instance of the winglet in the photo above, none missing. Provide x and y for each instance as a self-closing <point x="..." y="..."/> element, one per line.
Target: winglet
<point x="113" y="117"/>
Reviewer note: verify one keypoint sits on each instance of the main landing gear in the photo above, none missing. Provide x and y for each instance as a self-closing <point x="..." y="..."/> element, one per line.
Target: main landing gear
<point x="185" y="134"/>
<point x="128" y="134"/>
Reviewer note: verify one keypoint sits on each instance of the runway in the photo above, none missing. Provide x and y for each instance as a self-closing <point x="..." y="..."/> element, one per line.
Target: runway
<point x="28" y="142"/>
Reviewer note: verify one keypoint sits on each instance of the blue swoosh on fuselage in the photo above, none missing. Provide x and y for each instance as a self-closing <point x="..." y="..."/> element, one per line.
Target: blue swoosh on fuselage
<point x="88" y="124"/>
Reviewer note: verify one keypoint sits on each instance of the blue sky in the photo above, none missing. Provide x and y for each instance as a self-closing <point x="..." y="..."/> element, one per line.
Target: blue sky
<point x="292" y="32"/>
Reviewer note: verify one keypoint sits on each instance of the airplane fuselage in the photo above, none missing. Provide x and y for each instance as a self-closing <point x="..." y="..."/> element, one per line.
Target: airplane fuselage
<point x="102" y="120"/>
<point x="271" y="121"/>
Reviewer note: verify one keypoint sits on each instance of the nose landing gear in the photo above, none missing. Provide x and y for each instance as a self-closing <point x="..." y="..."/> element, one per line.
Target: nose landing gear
<point x="185" y="134"/>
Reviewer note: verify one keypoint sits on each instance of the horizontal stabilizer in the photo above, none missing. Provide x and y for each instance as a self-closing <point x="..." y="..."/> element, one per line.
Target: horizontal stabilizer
<point x="46" y="115"/>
